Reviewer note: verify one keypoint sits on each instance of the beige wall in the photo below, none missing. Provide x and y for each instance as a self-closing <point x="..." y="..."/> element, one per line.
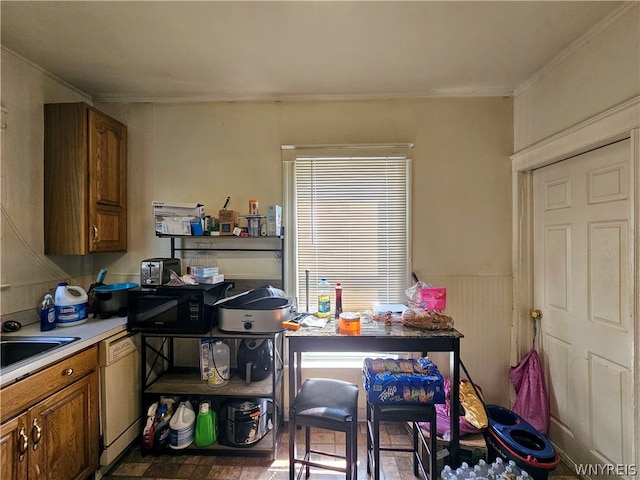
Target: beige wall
<point x="203" y="152"/>
<point x="594" y="75"/>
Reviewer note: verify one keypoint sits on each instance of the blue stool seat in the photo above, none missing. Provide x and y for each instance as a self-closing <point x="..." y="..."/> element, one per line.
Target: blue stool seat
<point x="331" y="405"/>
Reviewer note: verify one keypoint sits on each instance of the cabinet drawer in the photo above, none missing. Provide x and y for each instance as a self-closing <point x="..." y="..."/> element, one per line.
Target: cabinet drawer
<point x="21" y="395"/>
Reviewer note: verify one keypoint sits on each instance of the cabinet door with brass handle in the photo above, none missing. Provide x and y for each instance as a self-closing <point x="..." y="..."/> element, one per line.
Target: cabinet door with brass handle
<point x="14" y="448"/>
<point x="61" y="427"/>
<point x="36" y="433"/>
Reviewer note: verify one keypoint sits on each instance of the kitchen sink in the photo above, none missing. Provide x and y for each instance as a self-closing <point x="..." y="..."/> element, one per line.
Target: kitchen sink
<point x="18" y="349"/>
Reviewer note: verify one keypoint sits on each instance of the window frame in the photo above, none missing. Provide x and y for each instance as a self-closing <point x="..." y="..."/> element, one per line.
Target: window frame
<point x="290" y="153"/>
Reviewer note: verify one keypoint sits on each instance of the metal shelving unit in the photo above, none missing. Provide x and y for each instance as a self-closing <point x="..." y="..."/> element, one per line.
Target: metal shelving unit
<point x="162" y="378"/>
<point x="229" y="243"/>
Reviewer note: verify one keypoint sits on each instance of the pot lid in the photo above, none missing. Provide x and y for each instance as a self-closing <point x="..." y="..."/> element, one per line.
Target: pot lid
<point x="113" y="287"/>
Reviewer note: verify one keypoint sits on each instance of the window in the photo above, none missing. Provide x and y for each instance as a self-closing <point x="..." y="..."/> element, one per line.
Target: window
<point x="347" y="213"/>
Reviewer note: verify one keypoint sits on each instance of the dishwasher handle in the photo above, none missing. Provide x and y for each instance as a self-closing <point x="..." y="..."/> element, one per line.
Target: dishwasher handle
<point x="113" y="350"/>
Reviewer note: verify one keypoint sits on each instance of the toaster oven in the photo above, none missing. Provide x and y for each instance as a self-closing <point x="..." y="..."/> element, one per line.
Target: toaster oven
<point x="157" y="271"/>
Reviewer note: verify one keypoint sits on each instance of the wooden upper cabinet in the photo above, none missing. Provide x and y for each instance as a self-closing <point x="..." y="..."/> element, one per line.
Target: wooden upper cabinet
<point x="85" y="177"/>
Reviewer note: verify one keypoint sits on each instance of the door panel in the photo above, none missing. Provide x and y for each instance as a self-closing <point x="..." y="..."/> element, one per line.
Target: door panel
<point x="583" y="283"/>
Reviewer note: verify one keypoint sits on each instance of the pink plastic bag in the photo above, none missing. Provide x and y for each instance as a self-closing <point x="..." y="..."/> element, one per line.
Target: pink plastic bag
<point x="532" y="401"/>
<point x="434" y="298"/>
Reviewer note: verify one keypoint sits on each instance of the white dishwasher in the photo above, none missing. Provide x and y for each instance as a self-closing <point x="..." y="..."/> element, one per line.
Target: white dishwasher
<point x="120" y="419"/>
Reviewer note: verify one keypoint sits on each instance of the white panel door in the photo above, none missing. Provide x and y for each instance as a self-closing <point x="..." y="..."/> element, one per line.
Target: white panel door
<point x="583" y="284"/>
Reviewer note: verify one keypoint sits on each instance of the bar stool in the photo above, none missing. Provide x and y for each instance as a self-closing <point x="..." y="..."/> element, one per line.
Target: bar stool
<point x="402" y="412"/>
<point x="331" y="405"/>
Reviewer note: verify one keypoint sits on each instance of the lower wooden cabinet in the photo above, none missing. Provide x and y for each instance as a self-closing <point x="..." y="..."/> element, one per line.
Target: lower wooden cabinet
<point x="57" y="437"/>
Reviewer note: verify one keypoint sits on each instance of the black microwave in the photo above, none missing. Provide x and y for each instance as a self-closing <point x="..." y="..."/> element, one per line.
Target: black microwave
<point x="181" y="309"/>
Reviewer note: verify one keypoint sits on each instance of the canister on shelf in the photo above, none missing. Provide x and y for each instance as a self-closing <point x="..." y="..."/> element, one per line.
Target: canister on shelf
<point x="253" y="207"/>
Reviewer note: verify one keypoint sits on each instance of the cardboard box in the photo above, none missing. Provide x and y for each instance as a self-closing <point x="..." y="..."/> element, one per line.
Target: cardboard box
<point x="205" y="347"/>
<point x="226" y="228"/>
<point x="174" y="225"/>
<point x="210" y="279"/>
<point x="198" y="271"/>
<point x="167" y="209"/>
<point x="227" y="216"/>
<point x="402" y="381"/>
<point x="472" y="448"/>
<point x="274" y="220"/>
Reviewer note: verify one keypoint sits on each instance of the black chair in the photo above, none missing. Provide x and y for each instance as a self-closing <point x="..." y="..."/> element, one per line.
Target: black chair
<point x="331" y="405"/>
<point x="402" y="412"/>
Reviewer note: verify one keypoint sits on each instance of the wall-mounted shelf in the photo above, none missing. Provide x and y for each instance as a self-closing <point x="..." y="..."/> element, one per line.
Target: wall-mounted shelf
<point x="228" y="243"/>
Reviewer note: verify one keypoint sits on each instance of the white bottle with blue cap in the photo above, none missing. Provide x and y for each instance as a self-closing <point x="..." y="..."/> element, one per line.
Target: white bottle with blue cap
<point x="71" y="305"/>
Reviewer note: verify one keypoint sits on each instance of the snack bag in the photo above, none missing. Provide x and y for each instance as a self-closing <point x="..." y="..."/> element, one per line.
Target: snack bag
<point x="434" y="298"/>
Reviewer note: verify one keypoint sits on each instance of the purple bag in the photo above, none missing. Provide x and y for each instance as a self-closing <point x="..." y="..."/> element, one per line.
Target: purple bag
<point x="532" y="401"/>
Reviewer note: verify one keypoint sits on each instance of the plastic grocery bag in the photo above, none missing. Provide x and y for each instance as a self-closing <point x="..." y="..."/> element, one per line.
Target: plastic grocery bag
<point x="443" y="415"/>
<point x="413" y="294"/>
<point x="532" y="401"/>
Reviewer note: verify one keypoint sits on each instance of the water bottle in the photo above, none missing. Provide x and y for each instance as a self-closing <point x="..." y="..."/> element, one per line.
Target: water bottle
<point x="338" y="299"/>
<point x="447" y="473"/>
<point x="219" y="360"/>
<point x="324" y="299"/>
<point x="481" y="468"/>
<point x="205" y="429"/>
<point x="463" y="470"/>
<point x="47" y="314"/>
<point x="514" y="468"/>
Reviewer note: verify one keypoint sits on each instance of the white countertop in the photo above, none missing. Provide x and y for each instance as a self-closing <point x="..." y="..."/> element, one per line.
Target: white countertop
<point x="91" y="332"/>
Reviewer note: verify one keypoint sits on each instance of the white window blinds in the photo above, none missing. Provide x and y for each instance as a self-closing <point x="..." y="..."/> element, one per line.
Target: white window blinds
<point x="351" y="225"/>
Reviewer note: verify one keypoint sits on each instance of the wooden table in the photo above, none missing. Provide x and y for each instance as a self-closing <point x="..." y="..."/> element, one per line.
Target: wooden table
<point x="378" y="337"/>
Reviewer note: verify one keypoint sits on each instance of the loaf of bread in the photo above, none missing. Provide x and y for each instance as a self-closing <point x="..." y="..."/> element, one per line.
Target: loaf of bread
<point x="427" y="319"/>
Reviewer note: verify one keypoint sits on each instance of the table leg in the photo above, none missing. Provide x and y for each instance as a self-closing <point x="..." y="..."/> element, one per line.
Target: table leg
<point x="454" y="444"/>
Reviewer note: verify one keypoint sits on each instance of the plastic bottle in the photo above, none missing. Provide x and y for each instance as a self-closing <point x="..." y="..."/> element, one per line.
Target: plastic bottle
<point x="205" y="429"/>
<point x="514" y="468"/>
<point x="498" y="467"/>
<point x="481" y="468"/>
<point x="338" y="299"/>
<point x="324" y="299"/>
<point x="447" y="473"/>
<point x="219" y="360"/>
<point x="182" y="427"/>
<point x="47" y="314"/>
<point x="161" y="431"/>
<point x="463" y="471"/>
<point x="71" y="305"/>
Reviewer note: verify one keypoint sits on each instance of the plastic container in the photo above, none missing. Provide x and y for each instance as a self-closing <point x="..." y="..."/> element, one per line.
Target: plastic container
<point x="219" y="361"/>
<point x="338" y="299"/>
<point x="47" y="314"/>
<point x="71" y="305"/>
<point x="182" y="427"/>
<point x="324" y="299"/>
<point x="349" y="323"/>
<point x="205" y="426"/>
